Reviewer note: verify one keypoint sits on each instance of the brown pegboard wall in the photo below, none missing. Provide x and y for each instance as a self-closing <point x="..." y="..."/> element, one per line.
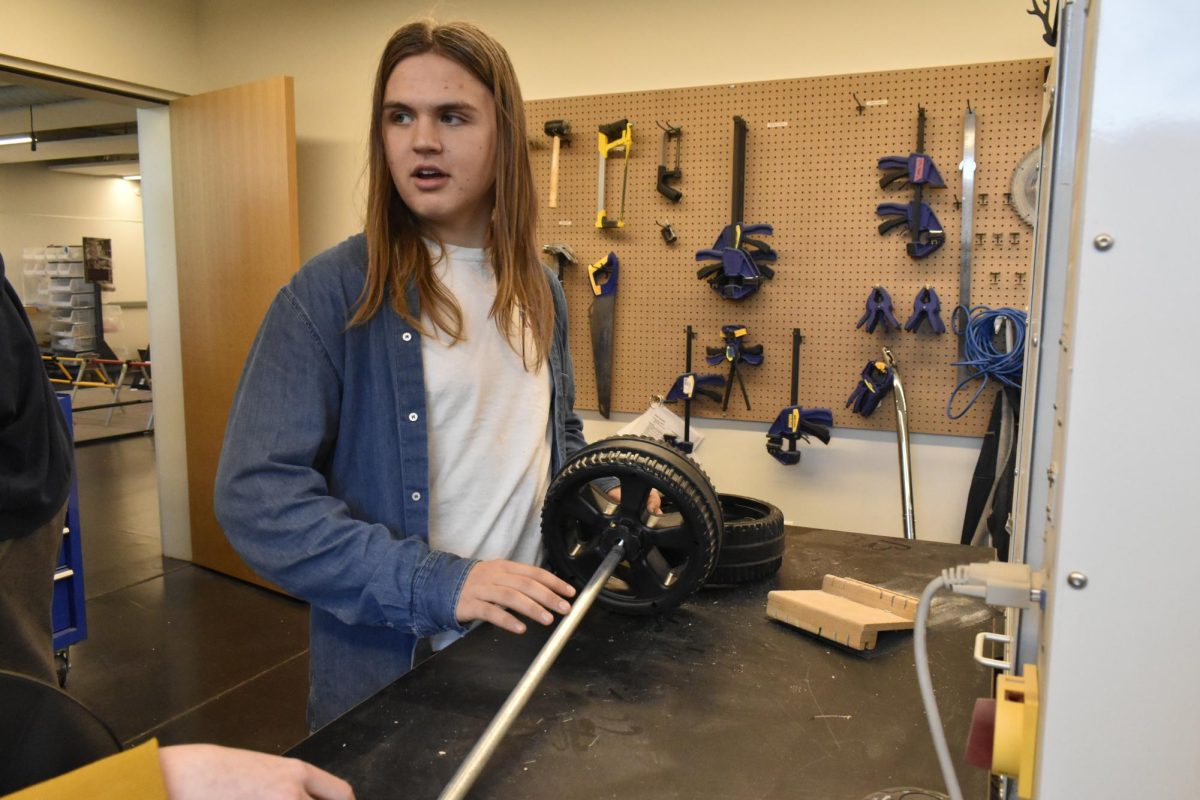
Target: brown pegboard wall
<point x="811" y="173"/>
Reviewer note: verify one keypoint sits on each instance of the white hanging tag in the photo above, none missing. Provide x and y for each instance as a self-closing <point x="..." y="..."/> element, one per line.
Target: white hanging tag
<point x="658" y="420"/>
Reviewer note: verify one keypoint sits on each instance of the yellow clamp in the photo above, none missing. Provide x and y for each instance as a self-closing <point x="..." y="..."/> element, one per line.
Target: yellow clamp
<point x="1014" y="743"/>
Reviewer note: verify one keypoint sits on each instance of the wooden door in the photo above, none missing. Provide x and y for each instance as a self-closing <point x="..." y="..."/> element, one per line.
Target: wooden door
<point x="233" y="154"/>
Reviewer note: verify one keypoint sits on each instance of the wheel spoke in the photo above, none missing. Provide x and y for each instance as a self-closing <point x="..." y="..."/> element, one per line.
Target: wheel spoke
<point x="582" y="542"/>
<point x="676" y="537"/>
<point x="634" y="491"/>
<point x="577" y="507"/>
<point x="643" y="577"/>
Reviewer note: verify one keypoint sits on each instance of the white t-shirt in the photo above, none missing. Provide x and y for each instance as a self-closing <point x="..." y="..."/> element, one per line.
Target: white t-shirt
<point x="489" y="426"/>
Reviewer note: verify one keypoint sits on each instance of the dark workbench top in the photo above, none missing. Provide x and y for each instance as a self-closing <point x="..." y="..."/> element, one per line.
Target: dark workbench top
<point x="711" y="701"/>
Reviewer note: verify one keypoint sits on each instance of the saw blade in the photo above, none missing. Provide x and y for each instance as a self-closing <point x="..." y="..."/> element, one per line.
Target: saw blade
<point x="1025" y="186"/>
<point x="600" y="320"/>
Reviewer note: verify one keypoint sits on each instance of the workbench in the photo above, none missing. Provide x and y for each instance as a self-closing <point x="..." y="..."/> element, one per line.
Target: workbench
<point x="713" y="700"/>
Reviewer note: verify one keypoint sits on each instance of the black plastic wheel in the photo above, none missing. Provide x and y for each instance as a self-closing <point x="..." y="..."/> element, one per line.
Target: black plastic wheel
<point x="752" y="548"/>
<point x="668" y="555"/>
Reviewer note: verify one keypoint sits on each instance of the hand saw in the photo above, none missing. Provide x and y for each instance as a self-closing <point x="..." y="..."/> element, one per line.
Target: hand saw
<point x="614" y="136"/>
<point x="603" y="277"/>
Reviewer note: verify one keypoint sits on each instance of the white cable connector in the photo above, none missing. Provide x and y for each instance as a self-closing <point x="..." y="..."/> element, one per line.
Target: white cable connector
<point x="997" y="583"/>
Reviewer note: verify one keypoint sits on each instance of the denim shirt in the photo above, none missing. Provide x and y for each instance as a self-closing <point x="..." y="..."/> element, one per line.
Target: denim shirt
<point x="323" y="483"/>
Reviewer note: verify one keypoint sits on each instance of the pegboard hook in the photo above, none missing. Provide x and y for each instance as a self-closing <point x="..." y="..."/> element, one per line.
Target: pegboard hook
<point x="858" y="104"/>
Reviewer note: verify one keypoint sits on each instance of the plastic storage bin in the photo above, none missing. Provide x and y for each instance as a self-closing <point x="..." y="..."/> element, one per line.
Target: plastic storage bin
<point x="74" y="344"/>
<point x="64" y="329"/>
<point x="65" y="269"/>
<point x="70" y="285"/>
<point x="72" y="301"/>
<point x="72" y="315"/>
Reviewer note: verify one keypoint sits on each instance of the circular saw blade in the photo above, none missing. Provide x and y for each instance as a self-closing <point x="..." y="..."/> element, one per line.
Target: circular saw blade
<point x="1025" y="186"/>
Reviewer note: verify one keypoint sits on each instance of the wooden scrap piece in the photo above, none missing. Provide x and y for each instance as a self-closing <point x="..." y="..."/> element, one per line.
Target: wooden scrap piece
<point x="844" y="610"/>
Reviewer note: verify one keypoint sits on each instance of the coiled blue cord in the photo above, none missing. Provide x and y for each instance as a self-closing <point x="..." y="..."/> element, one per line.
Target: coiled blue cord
<point x="980" y="353"/>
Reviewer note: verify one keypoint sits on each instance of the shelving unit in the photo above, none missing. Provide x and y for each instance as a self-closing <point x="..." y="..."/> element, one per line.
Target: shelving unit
<point x="54" y="280"/>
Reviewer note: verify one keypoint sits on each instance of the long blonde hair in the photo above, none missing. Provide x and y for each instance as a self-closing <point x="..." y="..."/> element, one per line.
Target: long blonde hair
<point x="397" y="256"/>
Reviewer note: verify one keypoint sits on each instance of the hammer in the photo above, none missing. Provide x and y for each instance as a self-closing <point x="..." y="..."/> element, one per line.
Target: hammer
<point x="560" y="131"/>
<point x="562" y="255"/>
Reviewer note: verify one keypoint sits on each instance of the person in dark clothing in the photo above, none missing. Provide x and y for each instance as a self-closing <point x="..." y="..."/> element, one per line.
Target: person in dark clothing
<point x="35" y="480"/>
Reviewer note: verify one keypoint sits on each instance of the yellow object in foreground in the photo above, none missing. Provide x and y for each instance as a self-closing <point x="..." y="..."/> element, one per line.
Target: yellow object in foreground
<point x="1015" y="743"/>
<point x="129" y="774"/>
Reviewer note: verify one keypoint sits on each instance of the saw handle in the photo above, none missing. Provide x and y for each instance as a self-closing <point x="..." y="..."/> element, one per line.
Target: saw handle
<point x="614" y="135"/>
<point x="664" y="174"/>
<point x="665" y="189"/>
<point x="603" y="275"/>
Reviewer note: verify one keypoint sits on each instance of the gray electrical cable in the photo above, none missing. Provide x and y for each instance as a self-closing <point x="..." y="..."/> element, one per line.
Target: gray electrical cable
<point x="925" y="681"/>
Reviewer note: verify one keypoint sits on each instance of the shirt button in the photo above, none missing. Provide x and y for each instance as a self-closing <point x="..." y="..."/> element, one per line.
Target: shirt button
<point x="406" y="336"/>
<point x="412" y="417"/>
<point x="416" y="496"/>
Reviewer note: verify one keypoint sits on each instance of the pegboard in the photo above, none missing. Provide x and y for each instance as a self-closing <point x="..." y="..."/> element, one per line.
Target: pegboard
<point x="811" y="173"/>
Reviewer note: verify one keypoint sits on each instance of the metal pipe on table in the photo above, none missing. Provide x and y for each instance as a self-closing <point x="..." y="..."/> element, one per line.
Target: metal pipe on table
<point x="477" y="759"/>
<point x="906" y="487"/>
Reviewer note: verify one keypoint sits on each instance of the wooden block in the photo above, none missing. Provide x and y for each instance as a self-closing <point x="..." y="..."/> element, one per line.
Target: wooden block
<point x="871" y="595"/>
<point x="844" y="610"/>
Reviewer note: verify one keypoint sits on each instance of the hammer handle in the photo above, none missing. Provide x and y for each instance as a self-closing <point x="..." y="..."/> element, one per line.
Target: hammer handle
<point x="554" y="172"/>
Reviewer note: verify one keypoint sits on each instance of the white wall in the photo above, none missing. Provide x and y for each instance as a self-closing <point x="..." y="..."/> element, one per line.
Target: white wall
<point x="851" y="484"/>
<point x="39" y="207"/>
<point x="564" y="49"/>
<point x="572" y="48"/>
<point x="148" y="42"/>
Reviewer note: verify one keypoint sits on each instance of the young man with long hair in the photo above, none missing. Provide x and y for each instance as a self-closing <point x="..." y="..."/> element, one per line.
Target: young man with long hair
<point x="410" y="392"/>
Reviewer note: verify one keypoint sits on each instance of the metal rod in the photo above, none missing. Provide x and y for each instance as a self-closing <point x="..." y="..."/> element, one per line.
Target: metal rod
<point x="112" y="437"/>
<point x="469" y="771"/>
<point x="625" y="180"/>
<point x="906" y="488"/>
<point x="745" y="394"/>
<point x="914" y="227"/>
<point x="738" y="204"/>
<point x="600" y="180"/>
<point x="796" y="338"/>
<point x="968" y="216"/>
<point x="729" y="385"/>
<point x="76" y="410"/>
<point x="687" y="402"/>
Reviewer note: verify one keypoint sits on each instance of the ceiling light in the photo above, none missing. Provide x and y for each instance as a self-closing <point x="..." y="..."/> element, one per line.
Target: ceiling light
<point x="131" y="177"/>
<point x="19" y="139"/>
